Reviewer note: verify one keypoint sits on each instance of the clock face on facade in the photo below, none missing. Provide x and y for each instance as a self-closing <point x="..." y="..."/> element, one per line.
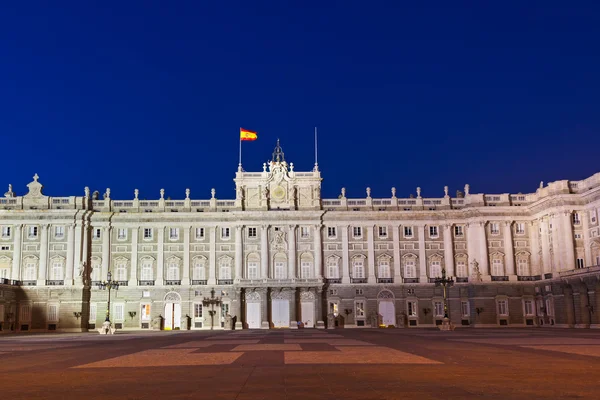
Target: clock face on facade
<point x="278" y="193"/>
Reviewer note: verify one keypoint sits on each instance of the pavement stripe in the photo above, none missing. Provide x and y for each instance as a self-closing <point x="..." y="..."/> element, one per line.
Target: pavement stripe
<point x="356" y="355"/>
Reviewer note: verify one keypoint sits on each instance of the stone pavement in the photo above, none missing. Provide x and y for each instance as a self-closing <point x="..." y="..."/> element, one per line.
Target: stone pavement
<point x="304" y="364"/>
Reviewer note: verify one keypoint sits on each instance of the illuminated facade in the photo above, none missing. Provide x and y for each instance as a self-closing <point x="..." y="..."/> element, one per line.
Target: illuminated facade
<point x="278" y="254"/>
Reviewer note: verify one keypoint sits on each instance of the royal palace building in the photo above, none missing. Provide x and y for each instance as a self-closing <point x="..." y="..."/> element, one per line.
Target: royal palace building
<point x="280" y="256"/>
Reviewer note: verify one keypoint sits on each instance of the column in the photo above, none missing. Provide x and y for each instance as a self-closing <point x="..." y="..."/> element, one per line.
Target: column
<point x="264" y="308"/>
<point x="567" y="242"/>
<point x="584" y="304"/>
<point x="16" y="266"/>
<point x="239" y="254"/>
<point x="422" y="254"/>
<point x="185" y="276"/>
<point x="371" y="254"/>
<point x="212" y="258"/>
<point x="545" y="238"/>
<point x="318" y="252"/>
<point x="471" y="232"/>
<point x="160" y="257"/>
<point x="43" y="267"/>
<point x="484" y="263"/>
<point x="105" y="252"/>
<point x="85" y="251"/>
<point x="397" y="259"/>
<point x="509" y="253"/>
<point x="557" y="245"/>
<point x="292" y="256"/>
<point x="293" y="309"/>
<point x="448" y="250"/>
<point x="535" y="266"/>
<point x="70" y="255"/>
<point x="569" y="306"/>
<point x="319" y="299"/>
<point x="345" y="253"/>
<point x="587" y="250"/>
<point x="133" y="280"/>
<point x="264" y="252"/>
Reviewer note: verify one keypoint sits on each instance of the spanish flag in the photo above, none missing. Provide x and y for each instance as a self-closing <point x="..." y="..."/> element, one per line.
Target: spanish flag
<point x="245" y="134"/>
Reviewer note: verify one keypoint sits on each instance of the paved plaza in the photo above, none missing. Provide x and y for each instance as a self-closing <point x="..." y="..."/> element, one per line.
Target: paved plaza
<point x="304" y="364"/>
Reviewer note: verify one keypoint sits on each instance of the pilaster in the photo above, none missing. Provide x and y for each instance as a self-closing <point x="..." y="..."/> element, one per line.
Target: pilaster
<point x="160" y="258"/>
<point x="212" y="257"/>
<point x="17" y="244"/>
<point x="448" y="250"/>
<point x="587" y="250"/>
<point x="345" y="255"/>
<point x="292" y="256"/>
<point x="422" y="254"/>
<point x="567" y="241"/>
<point x="484" y="262"/>
<point x="371" y="255"/>
<point x="534" y="236"/>
<point x="105" y="252"/>
<point x="509" y="254"/>
<point x="545" y="238"/>
<point x="185" y="278"/>
<point x="396" y="249"/>
<point x="133" y="280"/>
<point x="264" y="252"/>
<point x="239" y="255"/>
<point x="43" y="267"/>
<point x="71" y="255"/>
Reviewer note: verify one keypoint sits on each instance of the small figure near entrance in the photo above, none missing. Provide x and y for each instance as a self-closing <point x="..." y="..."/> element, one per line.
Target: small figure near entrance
<point x="228" y="322"/>
<point x="107" y="329"/>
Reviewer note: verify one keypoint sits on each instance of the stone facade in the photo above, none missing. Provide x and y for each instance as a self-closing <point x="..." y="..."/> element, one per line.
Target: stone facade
<point x="280" y="256"/>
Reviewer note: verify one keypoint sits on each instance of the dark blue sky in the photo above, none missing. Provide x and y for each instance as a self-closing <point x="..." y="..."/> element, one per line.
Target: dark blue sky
<point x="151" y="95"/>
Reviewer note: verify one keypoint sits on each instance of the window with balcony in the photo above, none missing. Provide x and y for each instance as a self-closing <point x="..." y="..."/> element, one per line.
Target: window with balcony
<point x="497" y="267"/>
<point x="279" y="270"/>
<point x="435" y="269"/>
<point x="410" y="270"/>
<point x="461" y="269"/>
<point x="358" y="268"/>
<point x="579" y="263"/>
<point x="305" y="269"/>
<point x="333" y="268"/>
<point x="252" y="270"/>
<point x="384" y="269"/>
<point x="121" y="272"/>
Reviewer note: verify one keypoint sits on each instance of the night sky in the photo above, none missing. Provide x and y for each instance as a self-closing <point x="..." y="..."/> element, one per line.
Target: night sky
<point x="151" y="95"/>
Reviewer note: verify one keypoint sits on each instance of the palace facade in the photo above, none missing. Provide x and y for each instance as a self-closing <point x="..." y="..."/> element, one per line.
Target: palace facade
<point x="280" y="256"/>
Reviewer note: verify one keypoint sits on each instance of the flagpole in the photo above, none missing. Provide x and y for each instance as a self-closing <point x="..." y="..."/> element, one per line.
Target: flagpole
<point x="240" y="162"/>
<point x="316" y="154"/>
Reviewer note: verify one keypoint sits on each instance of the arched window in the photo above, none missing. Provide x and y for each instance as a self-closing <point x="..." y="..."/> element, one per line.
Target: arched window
<point x="252" y="266"/>
<point x="279" y="266"/>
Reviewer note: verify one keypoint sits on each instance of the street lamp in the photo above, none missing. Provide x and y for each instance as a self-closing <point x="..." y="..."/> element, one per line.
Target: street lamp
<point x="110" y="284"/>
<point x="445" y="281"/>
<point x="212" y="301"/>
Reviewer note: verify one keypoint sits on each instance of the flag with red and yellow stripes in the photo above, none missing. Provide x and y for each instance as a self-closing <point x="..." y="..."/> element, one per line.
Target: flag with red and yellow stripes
<point x="245" y="134"/>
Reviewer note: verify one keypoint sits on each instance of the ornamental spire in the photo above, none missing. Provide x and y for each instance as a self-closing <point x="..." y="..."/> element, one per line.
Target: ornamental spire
<point x="278" y="156"/>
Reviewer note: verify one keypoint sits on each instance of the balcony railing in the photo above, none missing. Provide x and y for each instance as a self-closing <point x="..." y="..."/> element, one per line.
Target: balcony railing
<point x="334" y="280"/>
<point x="173" y="282"/>
<point x="462" y="279"/>
<point x="385" y="280"/>
<point x="95" y="283"/>
<point x="225" y="282"/>
<point x="411" y="280"/>
<point x="29" y="283"/>
<point x="199" y="282"/>
<point x="358" y="280"/>
<point x="499" y="278"/>
<point x="145" y="283"/>
<point x="529" y="278"/>
<point x="55" y="282"/>
<point x="122" y="283"/>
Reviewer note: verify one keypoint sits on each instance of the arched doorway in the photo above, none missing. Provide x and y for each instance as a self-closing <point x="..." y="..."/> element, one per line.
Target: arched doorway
<point x="172" y="311"/>
<point x="253" y="303"/>
<point x="386" y="307"/>
<point x="307" y="309"/>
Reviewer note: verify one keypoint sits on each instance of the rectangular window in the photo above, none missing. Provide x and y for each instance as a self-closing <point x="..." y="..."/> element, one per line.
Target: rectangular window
<point x="502" y="307"/>
<point x="305" y="269"/>
<point x="6" y="231"/>
<point x="304" y="232"/>
<point x="464" y="308"/>
<point x="520" y="228"/>
<point x="59" y="232"/>
<point x="97" y="233"/>
<point x="32" y="232"/>
<point x="25" y="314"/>
<point x="359" y="269"/>
<point x="252" y="270"/>
<point x="52" y="315"/>
<point x="147" y="272"/>
<point x="224" y="233"/>
<point x="528" y="307"/>
<point x="497" y="268"/>
<point x="576" y="220"/>
<point x="550" y="307"/>
<point x="279" y="270"/>
<point x="334" y="272"/>
<point x="494" y="229"/>
<point x="93" y="311"/>
<point x="359" y="309"/>
<point x="251" y="232"/>
<point x="433" y="231"/>
<point x="118" y="312"/>
<point x="383" y="232"/>
<point x="578" y="236"/>
<point x="122" y="234"/>
<point x="199" y="233"/>
<point x="359" y="292"/>
<point x="356" y="231"/>
<point x="458" y="231"/>
<point x="198" y="310"/>
<point x="438" y="308"/>
<point x="384" y="269"/>
<point x="411" y="308"/>
<point x="409" y="269"/>
<point x="57" y="271"/>
<point x="331" y="232"/>
<point x="435" y="269"/>
<point x="408" y="231"/>
<point x="580" y="263"/>
<point x="173" y="233"/>
<point x="461" y="269"/>
<point x="147" y="233"/>
<point x="522" y="267"/>
<point x="146" y="312"/>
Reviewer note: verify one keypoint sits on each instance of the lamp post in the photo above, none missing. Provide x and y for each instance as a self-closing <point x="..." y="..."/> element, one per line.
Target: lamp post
<point x="212" y="301"/>
<point x="110" y="284"/>
<point x="445" y="282"/>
